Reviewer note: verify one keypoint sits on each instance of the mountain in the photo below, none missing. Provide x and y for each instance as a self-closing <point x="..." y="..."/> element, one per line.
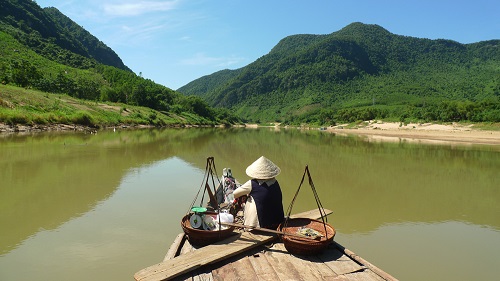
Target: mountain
<point x="91" y="46"/>
<point x="53" y="35"/>
<point x="45" y="50"/>
<point x="361" y="71"/>
<point x="207" y="83"/>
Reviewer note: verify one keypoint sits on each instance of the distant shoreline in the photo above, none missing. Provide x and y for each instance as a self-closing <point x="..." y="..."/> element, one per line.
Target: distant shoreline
<point x="27" y="129"/>
<point x="373" y="131"/>
<point x="424" y="133"/>
<point x="37" y="128"/>
<point x="413" y="132"/>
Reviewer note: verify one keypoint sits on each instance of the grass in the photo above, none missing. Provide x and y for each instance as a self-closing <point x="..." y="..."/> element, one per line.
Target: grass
<point x="32" y="107"/>
<point x="487" y="126"/>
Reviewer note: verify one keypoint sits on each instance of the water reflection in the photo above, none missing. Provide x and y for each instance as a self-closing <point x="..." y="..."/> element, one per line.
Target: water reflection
<point x="135" y="185"/>
<point x="128" y="230"/>
<point x="369" y="184"/>
<point x="46" y="179"/>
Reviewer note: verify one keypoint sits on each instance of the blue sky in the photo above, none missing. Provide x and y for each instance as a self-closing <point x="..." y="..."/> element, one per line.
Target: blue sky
<point x="173" y="42"/>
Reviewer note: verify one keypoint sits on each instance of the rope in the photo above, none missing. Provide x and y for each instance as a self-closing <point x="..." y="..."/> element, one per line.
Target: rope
<point x="318" y="202"/>
<point x="316" y="197"/>
<point x="210" y="171"/>
<point x="199" y="190"/>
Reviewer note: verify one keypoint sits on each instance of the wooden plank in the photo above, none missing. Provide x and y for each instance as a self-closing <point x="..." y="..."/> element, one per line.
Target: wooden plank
<point x="290" y="267"/>
<point x="262" y="267"/>
<point x="338" y="261"/>
<point x="244" y="270"/>
<point x="331" y="264"/>
<point x="312" y="214"/>
<point x="200" y="274"/>
<point x="186" y="248"/>
<point x="206" y="255"/>
<point x="376" y="270"/>
<point x="203" y="276"/>
<point x="225" y="272"/>
<point x="326" y="272"/>
<point x="341" y="278"/>
<point x="174" y="248"/>
<point x="366" y="275"/>
<point x="283" y="267"/>
<point x="369" y="275"/>
<point x="218" y="251"/>
<point x="237" y="267"/>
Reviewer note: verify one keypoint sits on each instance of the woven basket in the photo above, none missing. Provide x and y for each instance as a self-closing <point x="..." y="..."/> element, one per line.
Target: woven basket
<point x="200" y="237"/>
<point x="304" y="246"/>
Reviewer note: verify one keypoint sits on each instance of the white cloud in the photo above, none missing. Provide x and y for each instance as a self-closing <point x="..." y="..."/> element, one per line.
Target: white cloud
<point x="138" y="34"/>
<point x="138" y="8"/>
<point x="202" y="59"/>
<point x="227" y="62"/>
<point x="198" y="59"/>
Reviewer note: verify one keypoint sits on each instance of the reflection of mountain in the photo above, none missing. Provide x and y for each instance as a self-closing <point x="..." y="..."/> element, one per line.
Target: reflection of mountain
<point x="368" y="184"/>
<point x="57" y="177"/>
<point x="47" y="179"/>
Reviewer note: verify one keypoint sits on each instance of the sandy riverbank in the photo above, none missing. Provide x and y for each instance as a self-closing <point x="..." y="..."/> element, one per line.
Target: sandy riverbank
<point x="373" y="130"/>
<point x="427" y="132"/>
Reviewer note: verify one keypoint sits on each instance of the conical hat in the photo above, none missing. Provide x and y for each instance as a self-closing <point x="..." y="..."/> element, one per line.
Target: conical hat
<point x="263" y="168"/>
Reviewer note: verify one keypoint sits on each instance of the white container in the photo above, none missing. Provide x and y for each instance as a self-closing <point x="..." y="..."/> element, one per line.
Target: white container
<point x="226" y="217"/>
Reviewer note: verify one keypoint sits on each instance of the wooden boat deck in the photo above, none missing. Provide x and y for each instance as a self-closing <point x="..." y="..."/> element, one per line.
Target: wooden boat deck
<point x="258" y="256"/>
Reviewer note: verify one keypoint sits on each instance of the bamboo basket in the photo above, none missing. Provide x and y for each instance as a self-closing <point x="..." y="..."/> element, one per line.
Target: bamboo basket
<point x="200" y="237"/>
<point x="306" y="247"/>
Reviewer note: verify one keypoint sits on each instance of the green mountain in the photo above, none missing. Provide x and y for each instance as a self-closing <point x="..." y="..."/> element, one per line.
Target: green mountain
<point x="45" y="50"/>
<point x="53" y="35"/>
<point x="361" y="72"/>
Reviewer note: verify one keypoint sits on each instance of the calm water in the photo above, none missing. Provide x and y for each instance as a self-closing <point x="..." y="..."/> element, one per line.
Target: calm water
<point x="101" y="207"/>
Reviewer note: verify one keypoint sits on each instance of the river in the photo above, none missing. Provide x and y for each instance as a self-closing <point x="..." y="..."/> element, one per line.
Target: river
<point x="76" y="206"/>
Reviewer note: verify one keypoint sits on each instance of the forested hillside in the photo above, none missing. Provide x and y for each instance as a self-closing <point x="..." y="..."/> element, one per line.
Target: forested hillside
<point x="45" y="50"/>
<point x="361" y="72"/>
<point x="53" y="35"/>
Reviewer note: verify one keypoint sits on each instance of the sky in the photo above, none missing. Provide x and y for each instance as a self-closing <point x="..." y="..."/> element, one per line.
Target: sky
<point x="174" y="42"/>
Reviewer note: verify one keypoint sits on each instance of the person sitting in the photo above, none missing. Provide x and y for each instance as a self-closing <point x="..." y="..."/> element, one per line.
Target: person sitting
<point x="264" y="206"/>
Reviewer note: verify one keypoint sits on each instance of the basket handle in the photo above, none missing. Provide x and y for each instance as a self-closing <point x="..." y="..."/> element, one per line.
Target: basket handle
<point x="210" y="174"/>
<point x="316" y="197"/>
